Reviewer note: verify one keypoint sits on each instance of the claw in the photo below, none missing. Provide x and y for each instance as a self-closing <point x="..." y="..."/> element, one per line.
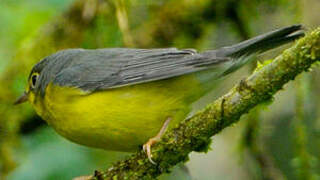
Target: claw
<point x="147" y="146"/>
<point x="147" y="149"/>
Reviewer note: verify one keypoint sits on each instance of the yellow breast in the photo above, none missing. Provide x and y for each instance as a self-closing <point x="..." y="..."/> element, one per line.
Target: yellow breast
<point x="117" y="119"/>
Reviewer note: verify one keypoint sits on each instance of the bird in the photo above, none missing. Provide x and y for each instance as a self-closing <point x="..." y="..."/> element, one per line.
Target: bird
<point x="120" y="99"/>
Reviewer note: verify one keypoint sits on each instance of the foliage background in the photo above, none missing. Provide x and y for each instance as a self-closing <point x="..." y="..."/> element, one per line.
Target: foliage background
<point x="276" y="141"/>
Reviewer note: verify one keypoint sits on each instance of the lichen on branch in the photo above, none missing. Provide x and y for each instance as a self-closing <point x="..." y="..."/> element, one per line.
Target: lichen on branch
<point x="194" y="134"/>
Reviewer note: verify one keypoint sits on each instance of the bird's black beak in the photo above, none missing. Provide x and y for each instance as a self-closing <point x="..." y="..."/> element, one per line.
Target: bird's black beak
<point x="22" y="99"/>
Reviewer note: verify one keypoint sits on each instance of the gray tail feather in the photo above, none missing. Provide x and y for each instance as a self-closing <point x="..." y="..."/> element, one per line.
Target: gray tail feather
<point x="240" y="53"/>
<point x="263" y="42"/>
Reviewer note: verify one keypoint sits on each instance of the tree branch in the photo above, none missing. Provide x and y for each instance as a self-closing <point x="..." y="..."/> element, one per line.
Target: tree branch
<point x="194" y="133"/>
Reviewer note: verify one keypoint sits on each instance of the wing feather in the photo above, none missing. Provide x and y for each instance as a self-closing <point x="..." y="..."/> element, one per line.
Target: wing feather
<point x="101" y="69"/>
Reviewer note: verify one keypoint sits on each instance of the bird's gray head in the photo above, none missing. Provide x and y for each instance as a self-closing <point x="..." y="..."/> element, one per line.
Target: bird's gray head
<point x="48" y="68"/>
<point x="43" y="72"/>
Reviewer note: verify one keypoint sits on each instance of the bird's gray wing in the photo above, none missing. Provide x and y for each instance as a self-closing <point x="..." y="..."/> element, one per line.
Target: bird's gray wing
<point x="101" y="69"/>
<point x="93" y="70"/>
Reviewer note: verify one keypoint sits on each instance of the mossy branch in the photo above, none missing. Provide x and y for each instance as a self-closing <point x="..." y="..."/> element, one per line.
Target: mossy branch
<point x="194" y="133"/>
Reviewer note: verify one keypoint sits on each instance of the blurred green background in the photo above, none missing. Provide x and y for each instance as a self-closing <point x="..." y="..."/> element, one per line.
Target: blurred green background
<point x="275" y="141"/>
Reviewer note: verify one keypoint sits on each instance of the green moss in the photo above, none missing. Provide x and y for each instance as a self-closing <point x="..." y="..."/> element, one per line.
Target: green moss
<point x="261" y="65"/>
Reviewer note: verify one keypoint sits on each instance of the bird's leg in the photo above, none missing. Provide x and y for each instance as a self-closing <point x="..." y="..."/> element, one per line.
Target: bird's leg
<point x="155" y="139"/>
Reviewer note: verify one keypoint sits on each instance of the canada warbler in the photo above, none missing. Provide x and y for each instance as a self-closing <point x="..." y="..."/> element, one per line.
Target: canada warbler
<point x="119" y="98"/>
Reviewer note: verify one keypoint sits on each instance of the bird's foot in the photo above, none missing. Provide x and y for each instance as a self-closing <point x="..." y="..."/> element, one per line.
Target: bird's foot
<point x="154" y="140"/>
<point x="147" y="148"/>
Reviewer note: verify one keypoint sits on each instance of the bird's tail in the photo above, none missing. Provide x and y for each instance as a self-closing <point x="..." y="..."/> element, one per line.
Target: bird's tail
<point x="240" y="53"/>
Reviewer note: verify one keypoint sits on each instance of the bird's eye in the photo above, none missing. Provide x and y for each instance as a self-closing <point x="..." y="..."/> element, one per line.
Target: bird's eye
<point x="34" y="79"/>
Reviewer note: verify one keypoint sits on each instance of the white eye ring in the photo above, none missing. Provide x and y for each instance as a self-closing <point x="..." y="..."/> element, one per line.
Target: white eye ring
<point x="34" y="79"/>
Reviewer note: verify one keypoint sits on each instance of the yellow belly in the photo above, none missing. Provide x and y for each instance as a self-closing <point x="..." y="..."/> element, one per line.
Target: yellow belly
<point x="117" y="119"/>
